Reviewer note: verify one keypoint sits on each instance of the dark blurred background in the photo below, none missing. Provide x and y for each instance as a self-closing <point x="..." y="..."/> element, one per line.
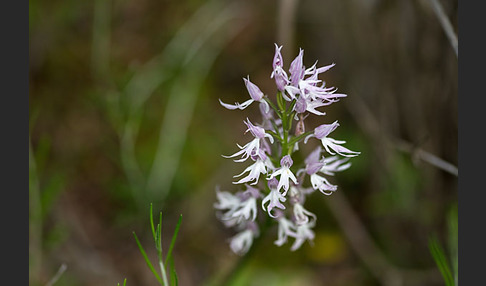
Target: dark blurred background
<point x="124" y="112"/>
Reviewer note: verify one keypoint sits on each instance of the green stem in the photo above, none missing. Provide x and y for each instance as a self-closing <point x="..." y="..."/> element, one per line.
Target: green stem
<point x="285" y="144"/>
<point x="281" y="103"/>
<point x="162" y="271"/>
<point x="300" y="137"/>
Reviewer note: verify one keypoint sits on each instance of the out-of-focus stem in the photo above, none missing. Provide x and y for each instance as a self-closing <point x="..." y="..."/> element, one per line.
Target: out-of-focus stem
<point x="286" y="25"/>
<point x="163" y="272"/>
<point x="446" y="24"/>
<point x="58" y="274"/>
<point x="35" y="220"/>
<point x="369" y="123"/>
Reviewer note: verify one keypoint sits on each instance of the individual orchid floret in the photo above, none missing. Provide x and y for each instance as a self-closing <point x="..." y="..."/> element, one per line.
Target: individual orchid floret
<point x="311" y="88"/>
<point x="297" y="69"/>
<point x="274" y="198"/>
<point x="321" y="132"/>
<point x="226" y="200"/>
<point x="277" y="58"/>
<point x="286" y="228"/>
<point x="313" y="162"/>
<point x="285" y="173"/>
<point x="333" y="165"/>
<point x="262" y="162"/>
<point x="253" y="147"/>
<point x="247" y="209"/>
<point x="257" y="131"/>
<point x="241" y="242"/>
<point x="322" y="184"/>
<point x="229" y="202"/>
<point x="314" y="165"/>
<point x="303" y="232"/>
<point x="255" y="93"/>
<point x="303" y="216"/>
<point x="281" y="78"/>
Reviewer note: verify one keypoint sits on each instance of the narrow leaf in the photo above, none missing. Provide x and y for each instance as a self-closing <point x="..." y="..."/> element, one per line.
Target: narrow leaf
<point x="453" y="242"/>
<point x="149" y="264"/>
<point x="158" y="241"/>
<point x="441" y="261"/>
<point x="174" y="281"/>
<point x="174" y="236"/>
<point x="275" y="135"/>
<point x="152" y="222"/>
<point x="300" y="137"/>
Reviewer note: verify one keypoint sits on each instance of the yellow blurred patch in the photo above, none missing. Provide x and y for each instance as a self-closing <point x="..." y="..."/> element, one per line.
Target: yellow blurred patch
<point x="329" y="247"/>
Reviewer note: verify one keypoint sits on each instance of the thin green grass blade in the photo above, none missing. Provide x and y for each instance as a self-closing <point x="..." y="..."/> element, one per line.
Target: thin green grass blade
<point x="124" y="282"/>
<point x="441" y="261"/>
<point x="174" y="281"/>
<point x="158" y="241"/>
<point x="453" y="242"/>
<point x="174" y="236"/>
<point x="149" y="264"/>
<point x="152" y="222"/>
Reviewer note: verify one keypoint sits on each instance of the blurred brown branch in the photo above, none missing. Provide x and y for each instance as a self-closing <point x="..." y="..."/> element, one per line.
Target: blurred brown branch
<point x="287" y="12"/>
<point x="365" y="118"/>
<point x="445" y="23"/>
<point x="58" y="274"/>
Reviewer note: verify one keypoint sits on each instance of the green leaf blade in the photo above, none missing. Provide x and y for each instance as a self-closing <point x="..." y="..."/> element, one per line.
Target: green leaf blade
<point x="441" y="261"/>
<point x="174" y="236"/>
<point x="149" y="264"/>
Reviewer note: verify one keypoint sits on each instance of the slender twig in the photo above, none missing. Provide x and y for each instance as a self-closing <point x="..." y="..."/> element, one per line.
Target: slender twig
<point x="427" y="157"/>
<point x="446" y="24"/>
<point x="58" y="275"/>
<point x="369" y="123"/>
